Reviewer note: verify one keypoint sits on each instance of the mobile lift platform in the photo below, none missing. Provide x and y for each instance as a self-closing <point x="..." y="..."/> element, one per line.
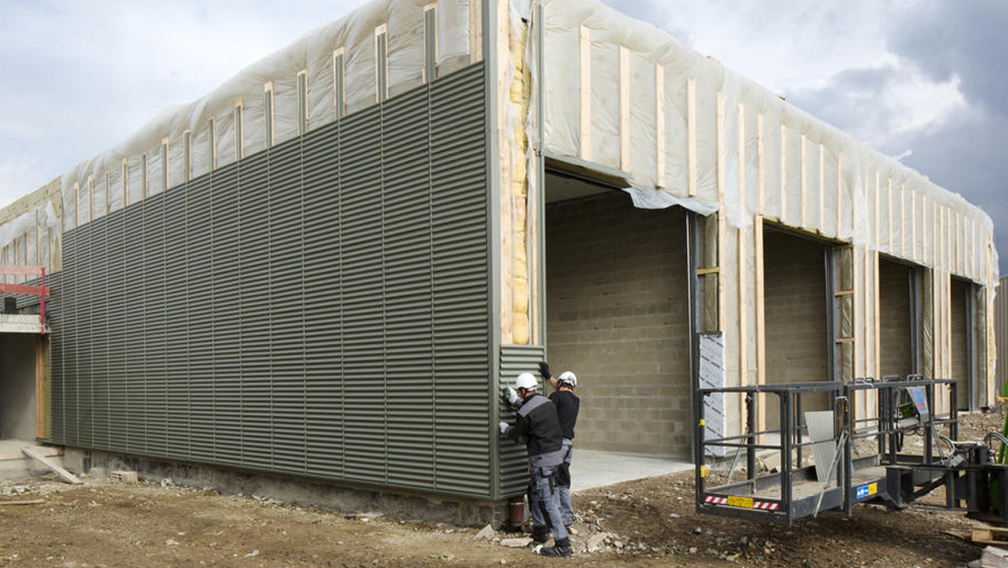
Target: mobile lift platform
<point x="897" y="457"/>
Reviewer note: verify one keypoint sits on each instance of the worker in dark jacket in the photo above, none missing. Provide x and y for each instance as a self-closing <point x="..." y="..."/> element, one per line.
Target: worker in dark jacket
<point x="538" y="428"/>
<point x="567" y="404"/>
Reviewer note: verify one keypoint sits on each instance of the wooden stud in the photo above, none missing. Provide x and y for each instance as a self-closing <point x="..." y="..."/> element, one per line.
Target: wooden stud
<point x="760" y="174"/>
<point x="722" y="293"/>
<point x="877" y="190"/>
<point x="691" y="137"/>
<point x="708" y="270"/>
<point x="741" y="154"/>
<point x="902" y="224"/>
<point x="889" y="229"/>
<point x="801" y="164"/>
<point x="878" y="319"/>
<point x="720" y="147"/>
<point x="624" y="107"/>
<point x="659" y="125"/>
<point x="584" y="91"/>
<point x="783" y="172"/>
<point x="40" y="394"/>
<point x="90" y="181"/>
<point x="475" y="31"/>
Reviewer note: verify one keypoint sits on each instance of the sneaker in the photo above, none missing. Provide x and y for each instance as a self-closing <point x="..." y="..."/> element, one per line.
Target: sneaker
<point x="562" y="548"/>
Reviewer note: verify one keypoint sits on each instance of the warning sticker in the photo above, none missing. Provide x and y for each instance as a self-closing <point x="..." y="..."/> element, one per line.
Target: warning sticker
<point x="866" y="491"/>
<point x="743" y="502"/>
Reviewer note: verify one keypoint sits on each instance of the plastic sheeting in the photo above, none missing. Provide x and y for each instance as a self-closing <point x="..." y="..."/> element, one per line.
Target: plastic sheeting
<point x="313" y="53"/>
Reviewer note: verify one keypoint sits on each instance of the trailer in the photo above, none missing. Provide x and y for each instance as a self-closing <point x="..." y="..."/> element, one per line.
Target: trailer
<point x="835" y="458"/>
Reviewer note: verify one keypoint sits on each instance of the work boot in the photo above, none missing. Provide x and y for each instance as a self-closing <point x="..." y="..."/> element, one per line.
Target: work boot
<point x="540" y="535"/>
<point x="560" y="548"/>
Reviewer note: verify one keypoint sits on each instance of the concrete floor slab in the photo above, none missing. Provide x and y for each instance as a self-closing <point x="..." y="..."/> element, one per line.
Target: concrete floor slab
<point x="10" y="449"/>
<point x="592" y="468"/>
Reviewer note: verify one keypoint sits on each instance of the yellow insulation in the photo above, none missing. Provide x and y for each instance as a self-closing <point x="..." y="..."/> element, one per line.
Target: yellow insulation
<point x="519" y="95"/>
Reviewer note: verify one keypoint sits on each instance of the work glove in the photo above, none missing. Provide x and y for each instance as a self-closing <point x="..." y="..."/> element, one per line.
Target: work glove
<point x="512" y="396"/>
<point x="544" y="370"/>
<point x="504" y="428"/>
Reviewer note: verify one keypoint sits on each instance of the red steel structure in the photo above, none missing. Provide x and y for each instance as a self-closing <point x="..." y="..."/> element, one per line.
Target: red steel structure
<point x="42" y="291"/>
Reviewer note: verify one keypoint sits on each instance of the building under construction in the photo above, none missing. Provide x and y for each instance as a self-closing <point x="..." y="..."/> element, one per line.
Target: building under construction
<point x="327" y="267"/>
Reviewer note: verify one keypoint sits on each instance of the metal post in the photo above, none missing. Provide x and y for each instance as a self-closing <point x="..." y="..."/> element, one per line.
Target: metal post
<point x="929" y="427"/>
<point x="751" y="438"/>
<point x="787" y="431"/>
<point x="798" y="426"/>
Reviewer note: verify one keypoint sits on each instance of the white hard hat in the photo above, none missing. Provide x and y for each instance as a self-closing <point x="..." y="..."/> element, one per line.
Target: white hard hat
<point x="568" y="378"/>
<point x="526" y="381"/>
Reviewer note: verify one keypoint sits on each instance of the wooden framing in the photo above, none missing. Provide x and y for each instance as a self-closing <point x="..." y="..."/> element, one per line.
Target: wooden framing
<point x="822" y="187"/>
<point x="722" y="292"/>
<point x="77" y="200"/>
<point x="90" y="181"/>
<point x="913" y="225"/>
<point x="624" y="108"/>
<point x="475" y="31"/>
<point x="584" y="92"/>
<point x="125" y="178"/>
<point x="269" y="101"/>
<point x="743" y="324"/>
<point x="381" y="64"/>
<point x="889" y="226"/>
<point x="902" y="223"/>
<point x="760" y="304"/>
<point x="239" y="128"/>
<point x="339" y="82"/>
<point x="839" y="198"/>
<point x="212" y="135"/>
<point x="659" y="125"/>
<point x="303" y="112"/>
<point x="691" y="138"/>
<point x="429" y="57"/>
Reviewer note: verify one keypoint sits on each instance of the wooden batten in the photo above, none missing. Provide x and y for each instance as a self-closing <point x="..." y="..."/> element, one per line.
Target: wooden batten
<point x="584" y="91"/>
<point x="659" y="125"/>
<point x="743" y="324"/>
<point x="839" y="197"/>
<point x="760" y="173"/>
<point x="822" y="187"/>
<point x="902" y="222"/>
<point x="783" y="172"/>
<point x="624" y="108"/>
<point x="721" y="147"/>
<point x="741" y="154"/>
<point x="804" y="181"/>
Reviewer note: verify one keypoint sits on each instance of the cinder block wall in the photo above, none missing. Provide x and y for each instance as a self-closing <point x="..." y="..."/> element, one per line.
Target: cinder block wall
<point x="894" y="310"/>
<point x="797" y="337"/>
<point x="960" y="342"/>
<point x="617" y="315"/>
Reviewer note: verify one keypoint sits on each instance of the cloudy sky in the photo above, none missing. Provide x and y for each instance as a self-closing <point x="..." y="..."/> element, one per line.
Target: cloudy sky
<point x="923" y="80"/>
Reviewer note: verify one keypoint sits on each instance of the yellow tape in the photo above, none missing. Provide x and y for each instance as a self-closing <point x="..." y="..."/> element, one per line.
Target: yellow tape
<point x="701" y="422"/>
<point x="703" y="471"/>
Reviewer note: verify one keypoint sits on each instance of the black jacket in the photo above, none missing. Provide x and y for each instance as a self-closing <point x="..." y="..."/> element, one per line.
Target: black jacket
<point x="537" y="426"/>
<point x="567" y="405"/>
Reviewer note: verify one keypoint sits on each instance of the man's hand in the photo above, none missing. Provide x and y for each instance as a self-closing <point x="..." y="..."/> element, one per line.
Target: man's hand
<point x="544" y="370"/>
<point x="504" y="428"/>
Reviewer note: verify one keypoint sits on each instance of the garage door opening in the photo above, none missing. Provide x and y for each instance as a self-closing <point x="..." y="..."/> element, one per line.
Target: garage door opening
<point x="618" y="316"/>
<point x="797" y="307"/>
<point x="900" y="305"/>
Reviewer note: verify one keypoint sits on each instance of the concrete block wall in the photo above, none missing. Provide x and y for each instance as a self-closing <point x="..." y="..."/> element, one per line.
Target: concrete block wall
<point x="797" y="336"/>
<point x="960" y="342"/>
<point x="896" y="348"/>
<point x="617" y="315"/>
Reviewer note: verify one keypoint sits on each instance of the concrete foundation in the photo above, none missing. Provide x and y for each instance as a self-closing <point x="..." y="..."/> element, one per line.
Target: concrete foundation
<point x="617" y="315"/>
<point x="301" y="491"/>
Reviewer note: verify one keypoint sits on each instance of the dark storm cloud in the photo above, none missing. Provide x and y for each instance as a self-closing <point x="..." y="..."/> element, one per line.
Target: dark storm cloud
<point x="963" y="41"/>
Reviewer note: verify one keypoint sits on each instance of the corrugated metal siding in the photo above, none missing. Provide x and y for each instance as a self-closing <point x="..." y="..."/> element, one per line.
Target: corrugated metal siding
<point x="1001" y="334"/>
<point x="515" y="359"/>
<point x="319" y="308"/>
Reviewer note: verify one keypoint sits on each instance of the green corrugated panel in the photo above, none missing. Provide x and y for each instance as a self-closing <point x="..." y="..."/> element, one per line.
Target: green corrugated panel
<point x="82" y="319"/>
<point x="70" y="414"/>
<point x="515" y="359"/>
<point x="115" y="334"/>
<point x="136" y="387"/>
<point x="308" y="298"/>
<point x="176" y="324"/>
<point x="153" y="289"/>
<point x="287" y="308"/>
<point x="228" y="268"/>
<point x="200" y="300"/>
<point x="56" y="318"/>
<point x="99" y="342"/>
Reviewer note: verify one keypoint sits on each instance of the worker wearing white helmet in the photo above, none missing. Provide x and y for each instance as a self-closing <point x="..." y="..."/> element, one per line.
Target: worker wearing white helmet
<point x="567" y="404"/>
<point x="538" y="428"/>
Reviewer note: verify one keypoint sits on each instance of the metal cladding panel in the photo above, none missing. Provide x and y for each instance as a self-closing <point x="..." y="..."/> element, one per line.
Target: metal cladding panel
<point x="319" y="308"/>
<point x="99" y="328"/>
<point x="115" y="328"/>
<point x="69" y="330"/>
<point x="323" y="308"/>
<point x="176" y="325"/>
<point x="200" y="300"/>
<point x="515" y="359"/>
<point x="459" y="245"/>
<point x="228" y="269"/>
<point x="57" y="429"/>
<point x="82" y="317"/>
<point x="133" y="299"/>
<point x="153" y="290"/>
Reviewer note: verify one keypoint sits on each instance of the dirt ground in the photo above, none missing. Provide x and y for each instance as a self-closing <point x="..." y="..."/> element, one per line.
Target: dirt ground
<point x="650" y="523"/>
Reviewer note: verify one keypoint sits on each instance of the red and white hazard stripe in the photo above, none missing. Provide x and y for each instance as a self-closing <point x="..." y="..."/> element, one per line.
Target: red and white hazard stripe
<point x="716" y="500"/>
<point x="765" y="505"/>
